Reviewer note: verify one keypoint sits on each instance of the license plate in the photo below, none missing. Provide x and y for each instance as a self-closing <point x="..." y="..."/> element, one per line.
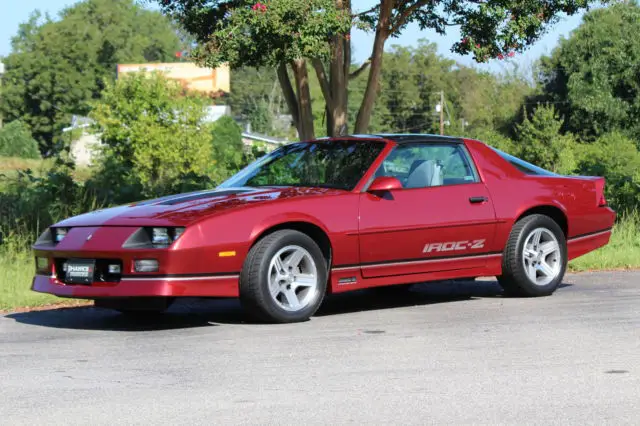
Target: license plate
<point x="80" y="271"/>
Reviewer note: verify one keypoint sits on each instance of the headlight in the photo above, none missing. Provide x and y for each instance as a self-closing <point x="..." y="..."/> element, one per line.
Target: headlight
<point x="163" y="237"/>
<point x="153" y="237"/>
<point x="60" y="233"/>
<point x="160" y="236"/>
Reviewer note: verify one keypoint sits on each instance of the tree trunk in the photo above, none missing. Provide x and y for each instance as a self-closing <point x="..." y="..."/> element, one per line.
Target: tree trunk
<point x="289" y="94"/>
<point x="305" y="115"/>
<point x="371" y="91"/>
<point x="338" y="78"/>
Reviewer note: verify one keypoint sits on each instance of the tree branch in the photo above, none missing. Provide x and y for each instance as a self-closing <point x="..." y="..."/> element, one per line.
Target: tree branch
<point x="366" y="12"/>
<point x="402" y="19"/>
<point x="360" y="69"/>
<point x="324" y="81"/>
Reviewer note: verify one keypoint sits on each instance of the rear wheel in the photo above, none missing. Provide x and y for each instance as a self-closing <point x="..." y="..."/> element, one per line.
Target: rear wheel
<point x="284" y="278"/>
<point x="535" y="258"/>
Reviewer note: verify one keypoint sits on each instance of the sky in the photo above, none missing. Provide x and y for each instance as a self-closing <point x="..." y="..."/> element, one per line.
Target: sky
<point x="19" y="12"/>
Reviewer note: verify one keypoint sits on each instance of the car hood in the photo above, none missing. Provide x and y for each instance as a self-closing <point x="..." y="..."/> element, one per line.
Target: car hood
<point x="186" y="208"/>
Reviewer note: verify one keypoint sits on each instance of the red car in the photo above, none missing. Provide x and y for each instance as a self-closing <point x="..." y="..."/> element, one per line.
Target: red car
<point x="328" y="216"/>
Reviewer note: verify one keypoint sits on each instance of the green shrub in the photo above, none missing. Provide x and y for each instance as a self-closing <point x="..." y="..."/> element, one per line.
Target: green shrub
<point x="30" y="203"/>
<point x="617" y="158"/>
<point x="227" y="149"/>
<point x="16" y="141"/>
<point x="153" y="136"/>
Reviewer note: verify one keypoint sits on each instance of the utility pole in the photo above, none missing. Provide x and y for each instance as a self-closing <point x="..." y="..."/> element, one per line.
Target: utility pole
<point x="442" y="112"/>
<point x="1" y="95"/>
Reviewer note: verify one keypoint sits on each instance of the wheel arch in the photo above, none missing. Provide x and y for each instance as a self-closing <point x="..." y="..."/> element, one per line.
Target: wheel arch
<point x="314" y="231"/>
<point x="554" y="212"/>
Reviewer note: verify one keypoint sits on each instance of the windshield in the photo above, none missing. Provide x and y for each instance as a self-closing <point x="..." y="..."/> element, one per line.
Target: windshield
<point x="326" y="164"/>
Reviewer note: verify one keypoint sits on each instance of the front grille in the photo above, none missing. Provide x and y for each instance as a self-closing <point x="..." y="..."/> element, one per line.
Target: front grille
<point x="100" y="274"/>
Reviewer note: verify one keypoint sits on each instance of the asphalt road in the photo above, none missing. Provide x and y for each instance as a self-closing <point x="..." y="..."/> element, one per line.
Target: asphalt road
<point x="445" y="354"/>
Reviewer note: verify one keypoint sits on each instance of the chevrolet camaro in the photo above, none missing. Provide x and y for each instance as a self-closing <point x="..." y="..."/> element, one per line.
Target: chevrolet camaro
<point x="333" y="215"/>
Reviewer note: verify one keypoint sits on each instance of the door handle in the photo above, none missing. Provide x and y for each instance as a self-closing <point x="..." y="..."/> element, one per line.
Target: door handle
<point x="477" y="200"/>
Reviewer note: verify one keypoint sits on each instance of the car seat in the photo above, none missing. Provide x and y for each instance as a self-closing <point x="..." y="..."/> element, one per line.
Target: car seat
<point x="424" y="173"/>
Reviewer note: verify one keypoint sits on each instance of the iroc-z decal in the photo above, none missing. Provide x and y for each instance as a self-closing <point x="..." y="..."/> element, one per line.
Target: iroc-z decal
<point x="454" y="246"/>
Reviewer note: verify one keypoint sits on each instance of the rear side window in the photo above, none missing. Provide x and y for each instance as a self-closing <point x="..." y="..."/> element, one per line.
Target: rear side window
<point x="524" y="166"/>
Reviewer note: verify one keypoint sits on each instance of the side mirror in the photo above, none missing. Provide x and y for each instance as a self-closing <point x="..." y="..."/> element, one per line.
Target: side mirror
<point x="384" y="183"/>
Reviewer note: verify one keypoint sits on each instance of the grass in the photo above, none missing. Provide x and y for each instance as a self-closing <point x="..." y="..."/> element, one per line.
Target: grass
<point x="9" y="167"/>
<point x="16" y="273"/>
<point x="622" y="252"/>
<point x="17" y="267"/>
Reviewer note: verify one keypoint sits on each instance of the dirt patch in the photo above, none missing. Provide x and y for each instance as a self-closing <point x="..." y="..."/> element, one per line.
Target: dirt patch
<point x="60" y="305"/>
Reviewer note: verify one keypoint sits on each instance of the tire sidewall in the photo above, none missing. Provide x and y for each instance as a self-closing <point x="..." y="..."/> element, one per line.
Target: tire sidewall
<point x="270" y="305"/>
<point x="532" y="224"/>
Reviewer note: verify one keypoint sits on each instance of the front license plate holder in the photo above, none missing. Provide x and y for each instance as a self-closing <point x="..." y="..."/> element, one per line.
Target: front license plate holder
<point x="80" y="271"/>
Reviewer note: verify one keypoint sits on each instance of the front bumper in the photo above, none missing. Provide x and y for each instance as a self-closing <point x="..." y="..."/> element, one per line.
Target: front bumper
<point x="184" y="270"/>
<point x="185" y="286"/>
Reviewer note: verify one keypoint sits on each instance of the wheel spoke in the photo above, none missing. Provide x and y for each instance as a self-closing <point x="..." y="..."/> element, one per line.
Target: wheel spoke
<point x="535" y="238"/>
<point x="274" y="288"/>
<point x="531" y="271"/>
<point x="279" y="265"/>
<point x="304" y="280"/>
<point x="548" y="248"/>
<point x="529" y="252"/>
<point x="292" y="299"/>
<point x="294" y="259"/>
<point x="546" y="269"/>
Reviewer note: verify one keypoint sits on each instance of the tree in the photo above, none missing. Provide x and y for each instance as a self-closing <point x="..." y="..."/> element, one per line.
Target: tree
<point x="260" y="118"/>
<point x="541" y="143"/>
<point x="227" y="149"/>
<point x="56" y="68"/>
<point x="593" y="75"/>
<point x="290" y="34"/>
<point x="153" y="136"/>
<point x="16" y="141"/>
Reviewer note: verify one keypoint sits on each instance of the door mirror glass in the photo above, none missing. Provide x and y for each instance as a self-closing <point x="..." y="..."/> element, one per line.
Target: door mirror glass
<point x="385" y="183"/>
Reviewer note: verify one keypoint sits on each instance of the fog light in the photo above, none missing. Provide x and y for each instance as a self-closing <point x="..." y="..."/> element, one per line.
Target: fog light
<point x="114" y="269"/>
<point x="146" y="265"/>
<point x="42" y="265"/>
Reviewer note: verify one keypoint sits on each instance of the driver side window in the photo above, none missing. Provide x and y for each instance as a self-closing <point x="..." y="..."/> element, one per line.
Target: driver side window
<point x="429" y="164"/>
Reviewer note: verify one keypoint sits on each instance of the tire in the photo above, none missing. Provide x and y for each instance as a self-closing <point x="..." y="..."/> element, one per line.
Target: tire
<point x="298" y="292"/>
<point x="520" y="265"/>
<point x="136" y="306"/>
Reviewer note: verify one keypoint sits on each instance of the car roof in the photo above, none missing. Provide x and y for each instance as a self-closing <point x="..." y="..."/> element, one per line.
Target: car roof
<point x="403" y="138"/>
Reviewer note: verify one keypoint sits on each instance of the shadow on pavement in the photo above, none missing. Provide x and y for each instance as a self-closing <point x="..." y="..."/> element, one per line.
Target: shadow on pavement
<point x="191" y="313"/>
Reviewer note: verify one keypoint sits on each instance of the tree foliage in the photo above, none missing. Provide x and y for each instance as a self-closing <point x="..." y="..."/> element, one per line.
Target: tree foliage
<point x="593" y="75"/>
<point x="56" y="67"/>
<point x="541" y="142"/>
<point x="16" y="141"/>
<point x="153" y="136"/>
<point x="291" y="33"/>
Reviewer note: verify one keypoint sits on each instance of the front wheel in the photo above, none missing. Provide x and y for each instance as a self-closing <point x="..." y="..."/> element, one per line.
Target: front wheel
<point x="535" y="258"/>
<point x="284" y="278"/>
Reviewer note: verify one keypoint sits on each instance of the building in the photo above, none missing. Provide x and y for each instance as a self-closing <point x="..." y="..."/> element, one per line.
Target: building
<point x="211" y="81"/>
